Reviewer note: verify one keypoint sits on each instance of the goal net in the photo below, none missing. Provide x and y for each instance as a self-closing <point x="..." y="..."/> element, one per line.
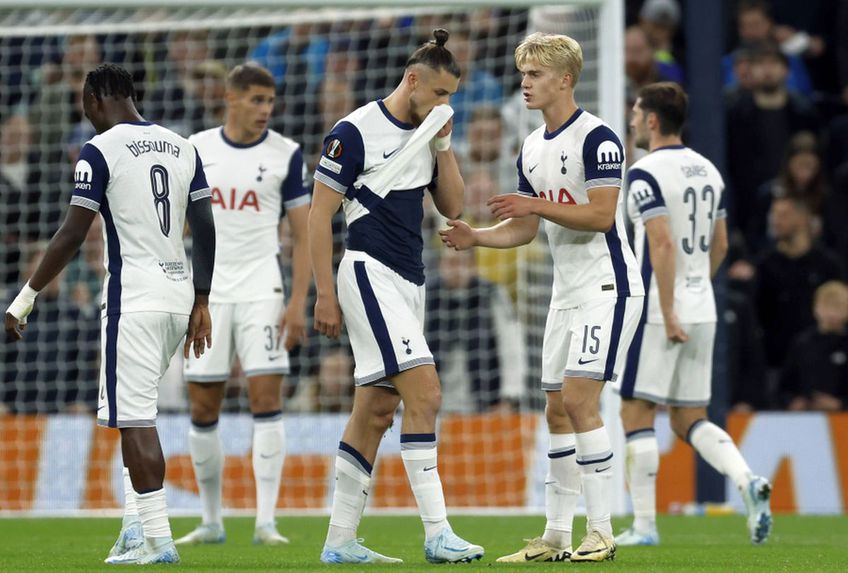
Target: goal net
<point x="485" y="312"/>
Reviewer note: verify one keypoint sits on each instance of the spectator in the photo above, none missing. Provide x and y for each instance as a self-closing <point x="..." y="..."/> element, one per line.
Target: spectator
<point x="55" y="366"/>
<point x="801" y="176"/>
<point x="835" y="231"/>
<point x="755" y="27"/>
<point x="787" y="277"/>
<point x="335" y="381"/>
<point x="816" y="373"/>
<point x="486" y="149"/>
<point x="660" y="19"/>
<point x="640" y="65"/>
<point x="208" y="90"/>
<point x="759" y="128"/>
<point x="474" y="337"/>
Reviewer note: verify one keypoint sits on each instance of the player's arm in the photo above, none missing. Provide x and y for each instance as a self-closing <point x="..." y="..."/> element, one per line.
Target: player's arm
<point x="661" y="250"/>
<point x="718" y="246"/>
<point x="62" y="248"/>
<point x="505" y="235"/>
<point x="597" y="215"/>
<point x="325" y="203"/>
<point x="449" y="195"/>
<point x="202" y="224"/>
<point x="296" y="204"/>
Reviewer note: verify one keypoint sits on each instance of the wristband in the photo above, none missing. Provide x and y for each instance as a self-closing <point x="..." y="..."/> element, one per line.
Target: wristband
<point x="22" y="305"/>
<point x="443" y="143"/>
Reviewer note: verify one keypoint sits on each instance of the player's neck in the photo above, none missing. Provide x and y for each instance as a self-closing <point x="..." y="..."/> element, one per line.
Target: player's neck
<point x="659" y="141"/>
<point x="559" y="112"/>
<point x="397" y="104"/>
<point x="238" y="134"/>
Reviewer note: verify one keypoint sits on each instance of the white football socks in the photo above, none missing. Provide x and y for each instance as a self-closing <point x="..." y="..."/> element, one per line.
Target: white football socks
<point x="594" y="456"/>
<point x="418" y="452"/>
<point x="562" y="490"/>
<point x="207" y="457"/>
<point x="353" y="480"/>
<point x="269" y="453"/>
<point x="641" y="466"/>
<point x="718" y="449"/>
<point x="130" y="507"/>
<point x="153" y="512"/>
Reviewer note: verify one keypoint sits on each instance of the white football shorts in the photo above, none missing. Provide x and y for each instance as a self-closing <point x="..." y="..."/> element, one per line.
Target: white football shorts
<point x="384" y="315"/>
<point x="249" y="329"/>
<point x="666" y="373"/>
<point x="589" y="341"/>
<point x="135" y="351"/>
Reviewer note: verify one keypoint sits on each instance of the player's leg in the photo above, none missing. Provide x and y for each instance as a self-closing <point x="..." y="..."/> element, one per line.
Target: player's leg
<point x="138" y="349"/>
<point x="562" y="483"/>
<point x="258" y="343"/>
<point x="206" y="377"/>
<point x="602" y="331"/>
<point x="269" y="453"/>
<point x="421" y="393"/>
<point x="689" y="421"/>
<point x="640" y="470"/>
<point x="373" y="413"/>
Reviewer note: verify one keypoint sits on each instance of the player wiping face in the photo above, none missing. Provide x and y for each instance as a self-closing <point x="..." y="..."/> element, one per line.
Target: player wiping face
<point x="430" y="88"/>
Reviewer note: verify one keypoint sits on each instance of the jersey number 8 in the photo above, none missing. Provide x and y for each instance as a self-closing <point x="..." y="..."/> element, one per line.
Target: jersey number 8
<point x="161" y="189"/>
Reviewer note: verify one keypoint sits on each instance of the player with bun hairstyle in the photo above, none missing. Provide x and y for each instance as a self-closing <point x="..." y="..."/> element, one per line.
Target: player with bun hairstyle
<point x="377" y="163"/>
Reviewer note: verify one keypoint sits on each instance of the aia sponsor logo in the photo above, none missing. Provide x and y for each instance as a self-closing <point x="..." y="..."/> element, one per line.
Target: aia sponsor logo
<point x="234" y="201"/>
<point x="561" y="196"/>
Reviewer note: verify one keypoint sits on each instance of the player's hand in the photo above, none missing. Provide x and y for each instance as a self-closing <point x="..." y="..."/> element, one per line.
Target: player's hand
<point x="293" y="323"/>
<point x="14" y="328"/>
<point x="446" y="129"/>
<point x="328" y="316"/>
<point x="459" y="235"/>
<point x="510" y="206"/>
<point x="199" y="332"/>
<point x="673" y="331"/>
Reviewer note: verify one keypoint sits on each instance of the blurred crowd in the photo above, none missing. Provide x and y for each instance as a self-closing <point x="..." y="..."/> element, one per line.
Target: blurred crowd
<point x="786" y="169"/>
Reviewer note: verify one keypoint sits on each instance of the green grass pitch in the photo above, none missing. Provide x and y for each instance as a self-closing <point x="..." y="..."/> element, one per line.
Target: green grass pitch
<point x="691" y="544"/>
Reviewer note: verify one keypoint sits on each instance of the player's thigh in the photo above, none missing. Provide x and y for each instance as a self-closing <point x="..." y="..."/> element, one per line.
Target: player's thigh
<point x="651" y="366"/>
<point x="215" y="363"/>
<point x="602" y="331"/>
<point x="258" y="340"/>
<point x="555" y="349"/>
<point x="692" y="386"/>
<point x="382" y="316"/>
<point x="136" y="350"/>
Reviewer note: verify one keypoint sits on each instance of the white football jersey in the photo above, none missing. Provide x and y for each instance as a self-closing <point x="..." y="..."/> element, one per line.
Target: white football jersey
<point x="391" y="231"/>
<point x="563" y="166"/>
<point x="683" y="185"/>
<point x="140" y="177"/>
<point x="252" y="184"/>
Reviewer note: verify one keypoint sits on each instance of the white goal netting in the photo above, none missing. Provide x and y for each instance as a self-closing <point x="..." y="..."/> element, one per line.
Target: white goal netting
<point x="485" y="313"/>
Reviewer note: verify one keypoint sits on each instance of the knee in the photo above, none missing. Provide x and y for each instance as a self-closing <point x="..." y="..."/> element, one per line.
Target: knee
<point x="381" y="417"/>
<point x="557" y="419"/>
<point x="265" y="403"/>
<point x="579" y="406"/>
<point x="203" y="412"/>
<point x="681" y="421"/>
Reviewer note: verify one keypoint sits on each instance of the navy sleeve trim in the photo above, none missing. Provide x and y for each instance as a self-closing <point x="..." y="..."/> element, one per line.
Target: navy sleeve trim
<point x="342" y="158"/>
<point x="646" y="193"/>
<point x="91" y="177"/>
<point x="603" y="158"/>
<point x="524" y="186"/>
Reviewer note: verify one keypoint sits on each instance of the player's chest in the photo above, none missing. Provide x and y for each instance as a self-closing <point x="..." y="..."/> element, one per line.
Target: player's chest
<point x="556" y="173"/>
<point x="246" y="184"/>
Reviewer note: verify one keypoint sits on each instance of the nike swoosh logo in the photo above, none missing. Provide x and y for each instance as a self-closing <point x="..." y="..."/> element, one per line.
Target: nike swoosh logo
<point x="272" y="358"/>
<point x="269" y="456"/>
<point x="430" y="468"/>
<point x="590" y="552"/>
<point x="581" y="362"/>
<point x="200" y="463"/>
<point x="455" y="550"/>
<point x="532" y="557"/>
<point x="386" y="156"/>
<point x="532" y="168"/>
<point x="599" y="470"/>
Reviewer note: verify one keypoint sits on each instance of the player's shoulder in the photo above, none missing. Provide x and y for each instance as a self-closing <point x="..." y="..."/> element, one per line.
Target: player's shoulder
<point x="594" y="130"/>
<point x="361" y="117"/>
<point x="535" y="137"/>
<point x="279" y="141"/>
<point x="206" y="136"/>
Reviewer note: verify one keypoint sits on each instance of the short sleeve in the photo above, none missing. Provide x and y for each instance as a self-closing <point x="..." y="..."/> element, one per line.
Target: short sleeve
<point x="199" y="188"/>
<point x="91" y="177"/>
<point x="721" y="213"/>
<point x="293" y="192"/>
<point x="645" y="193"/>
<point x="342" y="158"/>
<point x="603" y="158"/>
<point x="524" y="186"/>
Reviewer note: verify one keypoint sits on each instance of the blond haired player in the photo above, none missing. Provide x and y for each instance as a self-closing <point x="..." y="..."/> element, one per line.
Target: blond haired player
<point x="569" y="174"/>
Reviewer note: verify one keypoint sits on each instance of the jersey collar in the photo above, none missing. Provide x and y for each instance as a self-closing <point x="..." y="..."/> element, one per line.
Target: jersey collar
<point x="565" y="125"/>
<point x="681" y="146"/>
<point x="393" y="119"/>
<point x="232" y="143"/>
<point x="135" y="123"/>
